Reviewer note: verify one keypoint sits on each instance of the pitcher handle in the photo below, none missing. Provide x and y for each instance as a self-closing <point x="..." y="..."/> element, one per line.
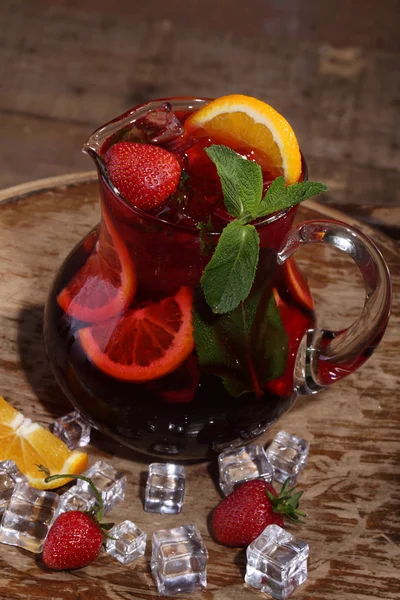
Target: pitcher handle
<point x="328" y="356"/>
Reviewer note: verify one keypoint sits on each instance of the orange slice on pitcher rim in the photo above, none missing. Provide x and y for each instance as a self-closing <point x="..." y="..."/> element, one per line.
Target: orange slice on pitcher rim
<point x="28" y="445"/>
<point x="255" y="124"/>
<point x="106" y="283"/>
<point x="143" y="344"/>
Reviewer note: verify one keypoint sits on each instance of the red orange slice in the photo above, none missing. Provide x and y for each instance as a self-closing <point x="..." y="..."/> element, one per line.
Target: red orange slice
<point x="106" y="284"/>
<point x="145" y="343"/>
<point x="297" y="284"/>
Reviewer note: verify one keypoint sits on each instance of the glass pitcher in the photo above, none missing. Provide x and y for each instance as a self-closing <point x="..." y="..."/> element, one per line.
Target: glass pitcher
<point x="139" y="353"/>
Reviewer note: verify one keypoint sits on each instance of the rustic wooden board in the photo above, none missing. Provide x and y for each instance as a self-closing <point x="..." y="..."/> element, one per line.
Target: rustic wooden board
<point x="352" y="480"/>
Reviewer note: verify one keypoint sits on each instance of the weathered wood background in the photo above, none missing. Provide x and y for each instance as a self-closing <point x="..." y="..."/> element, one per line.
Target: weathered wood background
<point x="331" y="67"/>
<point x="352" y="481"/>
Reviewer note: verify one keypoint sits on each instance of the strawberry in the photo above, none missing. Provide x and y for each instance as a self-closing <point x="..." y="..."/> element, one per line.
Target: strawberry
<point x="75" y="538"/>
<point x="241" y="517"/>
<point x="74" y="541"/>
<point x="145" y="175"/>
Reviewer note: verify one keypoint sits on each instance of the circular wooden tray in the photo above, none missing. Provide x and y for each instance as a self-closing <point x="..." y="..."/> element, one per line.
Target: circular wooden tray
<point x="351" y="482"/>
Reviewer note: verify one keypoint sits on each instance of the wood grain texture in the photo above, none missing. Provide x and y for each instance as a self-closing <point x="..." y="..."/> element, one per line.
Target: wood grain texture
<point x="351" y="483"/>
<point x="330" y="67"/>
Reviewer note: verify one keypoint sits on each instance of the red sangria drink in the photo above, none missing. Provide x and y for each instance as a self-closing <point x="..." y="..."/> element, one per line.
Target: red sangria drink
<point x="175" y="325"/>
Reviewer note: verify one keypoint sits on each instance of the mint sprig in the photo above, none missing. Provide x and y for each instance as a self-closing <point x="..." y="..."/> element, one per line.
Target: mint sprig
<point x="246" y="347"/>
<point x="229" y="276"/>
<point x="280" y="196"/>
<point x="241" y="181"/>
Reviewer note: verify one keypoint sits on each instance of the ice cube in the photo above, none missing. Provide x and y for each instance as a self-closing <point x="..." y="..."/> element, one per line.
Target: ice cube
<point x="10" y="475"/>
<point x="276" y="562"/>
<point x="178" y="560"/>
<point x="243" y="464"/>
<point x="288" y="455"/>
<point x="72" y="429"/>
<point x="76" y="499"/>
<point x="28" y="517"/>
<point x="165" y="488"/>
<point x="110" y="483"/>
<point x="129" y="542"/>
<point x="161" y="126"/>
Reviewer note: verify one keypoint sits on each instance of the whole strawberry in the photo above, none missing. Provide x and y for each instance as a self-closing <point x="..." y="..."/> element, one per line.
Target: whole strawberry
<point x="75" y="538"/>
<point x="241" y="517"/>
<point x="145" y="175"/>
<point x="73" y="541"/>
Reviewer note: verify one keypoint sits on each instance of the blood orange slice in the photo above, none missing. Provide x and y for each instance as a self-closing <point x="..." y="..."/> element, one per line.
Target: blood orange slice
<point x="297" y="284"/>
<point x="106" y="284"/>
<point x="145" y="343"/>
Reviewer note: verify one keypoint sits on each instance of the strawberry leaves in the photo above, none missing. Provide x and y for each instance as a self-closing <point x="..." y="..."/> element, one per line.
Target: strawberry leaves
<point x="287" y="502"/>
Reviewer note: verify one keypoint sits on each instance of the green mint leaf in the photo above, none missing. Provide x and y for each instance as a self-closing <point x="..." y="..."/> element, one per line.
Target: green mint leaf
<point x="241" y="181"/>
<point x="280" y="196"/>
<point x="228" y="277"/>
<point x="295" y="499"/>
<point x="273" y="346"/>
<point x="222" y="344"/>
<point x="220" y="347"/>
<point x="248" y="346"/>
<point x="269" y="340"/>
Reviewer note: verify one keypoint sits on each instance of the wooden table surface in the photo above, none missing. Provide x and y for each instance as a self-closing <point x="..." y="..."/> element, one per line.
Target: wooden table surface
<point x="331" y="67"/>
<point x="351" y="483"/>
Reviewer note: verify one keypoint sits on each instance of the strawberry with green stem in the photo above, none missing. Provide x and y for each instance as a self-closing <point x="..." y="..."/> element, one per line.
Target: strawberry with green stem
<point x="76" y="537"/>
<point x="241" y="517"/>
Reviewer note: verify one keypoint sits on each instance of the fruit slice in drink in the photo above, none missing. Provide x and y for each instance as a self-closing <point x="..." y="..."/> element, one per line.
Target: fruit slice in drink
<point x="295" y="323"/>
<point x="145" y="343"/>
<point x="106" y="284"/>
<point x="297" y="285"/>
<point x="244" y="120"/>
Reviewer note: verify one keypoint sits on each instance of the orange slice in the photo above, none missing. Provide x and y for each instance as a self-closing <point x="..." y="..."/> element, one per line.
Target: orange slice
<point x="145" y="343"/>
<point x="106" y="284"/>
<point x="254" y="123"/>
<point x="297" y="284"/>
<point x="28" y="445"/>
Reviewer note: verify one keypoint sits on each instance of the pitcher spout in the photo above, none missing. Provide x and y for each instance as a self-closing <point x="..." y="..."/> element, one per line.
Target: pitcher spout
<point x="119" y="129"/>
<point x="152" y="122"/>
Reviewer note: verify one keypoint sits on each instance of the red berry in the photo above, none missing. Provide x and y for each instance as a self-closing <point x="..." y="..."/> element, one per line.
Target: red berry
<point x="74" y="541"/>
<point x="145" y="175"/>
<point x="243" y="515"/>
